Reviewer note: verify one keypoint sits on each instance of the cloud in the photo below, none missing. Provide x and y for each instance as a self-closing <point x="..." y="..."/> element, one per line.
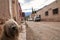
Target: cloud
<point x="26" y="1"/>
<point x="27" y="10"/>
<point x="21" y="1"/>
<point x="36" y="4"/>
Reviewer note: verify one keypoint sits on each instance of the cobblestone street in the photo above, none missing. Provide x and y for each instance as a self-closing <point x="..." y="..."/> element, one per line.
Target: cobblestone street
<point x="43" y="30"/>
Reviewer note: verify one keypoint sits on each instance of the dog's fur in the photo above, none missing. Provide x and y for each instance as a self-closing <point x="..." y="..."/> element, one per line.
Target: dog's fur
<point x="10" y="30"/>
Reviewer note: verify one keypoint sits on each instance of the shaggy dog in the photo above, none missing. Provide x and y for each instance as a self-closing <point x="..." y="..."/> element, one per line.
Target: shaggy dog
<point x="10" y="30"/>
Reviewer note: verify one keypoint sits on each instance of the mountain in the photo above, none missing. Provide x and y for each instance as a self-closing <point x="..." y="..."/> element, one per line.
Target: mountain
<point x="27" y="13"/>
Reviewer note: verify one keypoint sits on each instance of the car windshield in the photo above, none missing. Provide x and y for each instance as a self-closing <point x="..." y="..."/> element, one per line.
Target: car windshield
<point x="37" y="17"/>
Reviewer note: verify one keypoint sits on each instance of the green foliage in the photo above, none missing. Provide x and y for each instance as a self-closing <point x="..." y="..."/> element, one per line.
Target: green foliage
<point x="26" y="17"/>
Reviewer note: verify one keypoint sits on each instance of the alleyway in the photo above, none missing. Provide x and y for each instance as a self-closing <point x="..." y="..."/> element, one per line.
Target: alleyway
<point x="43" y="30"/>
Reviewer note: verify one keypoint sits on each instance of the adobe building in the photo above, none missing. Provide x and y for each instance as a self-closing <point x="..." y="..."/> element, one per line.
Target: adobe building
<point x="20" y="12"/>
<point x="33" y="14"/>
<point x="9" y="9"/>
<point x="16" y="11"/>
<point x="19" y="16"/>
<point x="50" y="12"/>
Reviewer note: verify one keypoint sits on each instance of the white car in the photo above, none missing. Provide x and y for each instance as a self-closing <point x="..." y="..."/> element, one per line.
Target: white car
<point x="30" y="19"/>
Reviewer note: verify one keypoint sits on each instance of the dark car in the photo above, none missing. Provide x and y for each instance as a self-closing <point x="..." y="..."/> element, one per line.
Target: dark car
<point x="37" y="18"/>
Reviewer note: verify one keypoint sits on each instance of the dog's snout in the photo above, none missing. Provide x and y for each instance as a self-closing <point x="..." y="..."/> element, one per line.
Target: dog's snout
<point x="14" y="28"/>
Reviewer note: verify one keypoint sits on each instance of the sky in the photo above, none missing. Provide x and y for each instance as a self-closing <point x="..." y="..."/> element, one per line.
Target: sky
<point x="27" y="5"/>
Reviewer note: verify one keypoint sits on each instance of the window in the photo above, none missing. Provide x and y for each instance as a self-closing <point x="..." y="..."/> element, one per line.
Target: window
<point x="55" y="11"/>
<point x="46" y="13"/>
<point x="39" y="15"/>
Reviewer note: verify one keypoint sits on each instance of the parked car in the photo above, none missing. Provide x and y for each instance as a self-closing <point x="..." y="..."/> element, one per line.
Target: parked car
<point x="37" y="18"/>
<point x="30" y="19"/>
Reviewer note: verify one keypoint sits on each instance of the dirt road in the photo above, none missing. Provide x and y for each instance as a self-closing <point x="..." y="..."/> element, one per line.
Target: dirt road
<point x="43" y="30"/>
